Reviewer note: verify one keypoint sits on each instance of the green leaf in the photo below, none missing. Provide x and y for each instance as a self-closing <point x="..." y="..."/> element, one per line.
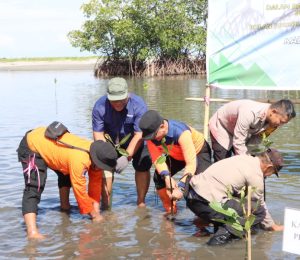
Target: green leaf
<point x="165" y="148"/>
<point x="231" y="222"/>
<point x="139" y="30"/>
<point x="247" y="225"/>
<point x="124" y="139"/>
<point x="266" y="142"/>
<point x="122" y="151"/>
<point x="161" y="159"/>
<point x="256" y="150"/>
<point x="237" y="226"/>
<point x="221" y="221"/>
<point x="238" y="232"/>
<point x="145" y="86"/>
<point x="108" y="138"/>
<point x="249" y="222"/>
<point x="217" y="206"/>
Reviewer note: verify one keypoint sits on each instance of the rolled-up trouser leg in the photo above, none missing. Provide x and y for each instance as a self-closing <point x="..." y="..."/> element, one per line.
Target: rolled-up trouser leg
<point x="34" y="180"/>
<point x="34" y="187"/>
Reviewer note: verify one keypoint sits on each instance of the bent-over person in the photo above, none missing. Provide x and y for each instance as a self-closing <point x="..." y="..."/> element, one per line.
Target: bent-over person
<point x="37" y="152"/>
<point x="118" y="114"/>
<point x="240" y="123"/>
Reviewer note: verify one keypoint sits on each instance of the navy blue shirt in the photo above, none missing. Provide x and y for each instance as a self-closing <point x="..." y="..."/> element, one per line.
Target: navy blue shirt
<point x="175" y="130"/>
<point x="118" y="123"/>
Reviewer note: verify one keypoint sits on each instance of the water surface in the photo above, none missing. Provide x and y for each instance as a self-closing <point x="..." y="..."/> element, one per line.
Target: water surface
<point x="30" y="99"/>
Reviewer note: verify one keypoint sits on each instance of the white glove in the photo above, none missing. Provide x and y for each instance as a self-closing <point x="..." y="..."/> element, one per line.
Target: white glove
<point x="122" y="163"/>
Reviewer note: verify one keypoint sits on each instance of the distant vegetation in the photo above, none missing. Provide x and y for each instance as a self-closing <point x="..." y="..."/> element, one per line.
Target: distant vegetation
<point x="138" y="37"/>
<point x="48" y="59"/>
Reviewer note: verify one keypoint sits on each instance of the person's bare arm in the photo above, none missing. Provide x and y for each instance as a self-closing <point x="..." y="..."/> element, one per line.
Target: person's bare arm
<point x="99" y="136"/>
<point x="134" y="144"/>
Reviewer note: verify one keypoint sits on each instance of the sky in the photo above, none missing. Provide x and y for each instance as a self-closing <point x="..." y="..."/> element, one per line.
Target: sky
<point x="39" y="28"/>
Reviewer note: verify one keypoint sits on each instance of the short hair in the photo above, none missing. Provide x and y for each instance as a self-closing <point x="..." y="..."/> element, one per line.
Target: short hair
<point x="286" y="107"/>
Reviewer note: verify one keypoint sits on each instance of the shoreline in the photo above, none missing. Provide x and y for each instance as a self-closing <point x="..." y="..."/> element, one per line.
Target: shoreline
<point x="88" y="64"/>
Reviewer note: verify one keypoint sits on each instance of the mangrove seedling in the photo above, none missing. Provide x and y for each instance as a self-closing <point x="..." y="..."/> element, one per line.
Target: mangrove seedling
<point x="166" y="153"/>
<point x="231" y="217"/>
<point x="240" y="224"/>
<point x="117" y="146"/>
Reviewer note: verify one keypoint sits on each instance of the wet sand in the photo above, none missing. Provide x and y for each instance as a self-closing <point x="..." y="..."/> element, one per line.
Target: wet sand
<point x="48" y="65"/>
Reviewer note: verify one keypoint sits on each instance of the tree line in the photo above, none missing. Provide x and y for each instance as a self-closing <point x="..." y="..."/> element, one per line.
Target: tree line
<point x="138" y="37"/>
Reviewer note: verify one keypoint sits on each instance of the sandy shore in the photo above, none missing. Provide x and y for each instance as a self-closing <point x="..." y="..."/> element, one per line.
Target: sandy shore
<point x="48" y="65"/>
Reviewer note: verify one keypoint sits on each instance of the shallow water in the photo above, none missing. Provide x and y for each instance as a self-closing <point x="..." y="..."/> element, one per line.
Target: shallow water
<point x="30" y="99"/>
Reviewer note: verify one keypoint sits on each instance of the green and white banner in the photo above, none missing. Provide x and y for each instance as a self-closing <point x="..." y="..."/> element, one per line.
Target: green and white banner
<point x="253" y="44"/>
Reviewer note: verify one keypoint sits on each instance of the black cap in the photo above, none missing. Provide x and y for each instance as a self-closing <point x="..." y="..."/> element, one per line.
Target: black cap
<point x="276" y="159"/>
<point x="103" y="155"/>
<point x="150" y="123"/>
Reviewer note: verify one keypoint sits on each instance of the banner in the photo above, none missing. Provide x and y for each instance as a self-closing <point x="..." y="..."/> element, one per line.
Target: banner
<point x="253" y="44"/>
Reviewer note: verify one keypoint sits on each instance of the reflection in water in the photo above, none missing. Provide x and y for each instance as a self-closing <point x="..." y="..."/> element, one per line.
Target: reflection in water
<point x="30" y="99"/>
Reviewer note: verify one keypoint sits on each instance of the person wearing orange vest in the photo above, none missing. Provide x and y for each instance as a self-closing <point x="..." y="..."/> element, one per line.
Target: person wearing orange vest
<point x="186" y="149"/>
<point x="71" y="162"/>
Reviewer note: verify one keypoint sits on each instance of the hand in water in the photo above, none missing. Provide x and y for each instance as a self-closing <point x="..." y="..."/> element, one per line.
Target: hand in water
<point x="177" y="194"/>
<point x="276" y="227"/>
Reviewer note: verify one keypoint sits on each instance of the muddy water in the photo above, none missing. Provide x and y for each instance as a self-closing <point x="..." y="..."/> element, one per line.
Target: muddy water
<point x="30" y="99"/>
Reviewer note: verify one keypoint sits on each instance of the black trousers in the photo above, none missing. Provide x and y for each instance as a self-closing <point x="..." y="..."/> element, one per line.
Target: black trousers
<point x="219" y="152"/>
<point x="141" y="160"/>
<point x="35" y="181"/>
<point x="203" y="162"/>
<point x="201" y="208"/>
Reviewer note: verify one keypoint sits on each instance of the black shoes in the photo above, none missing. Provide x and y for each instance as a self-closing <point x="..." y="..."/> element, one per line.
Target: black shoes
<point x="220" y="238"/>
